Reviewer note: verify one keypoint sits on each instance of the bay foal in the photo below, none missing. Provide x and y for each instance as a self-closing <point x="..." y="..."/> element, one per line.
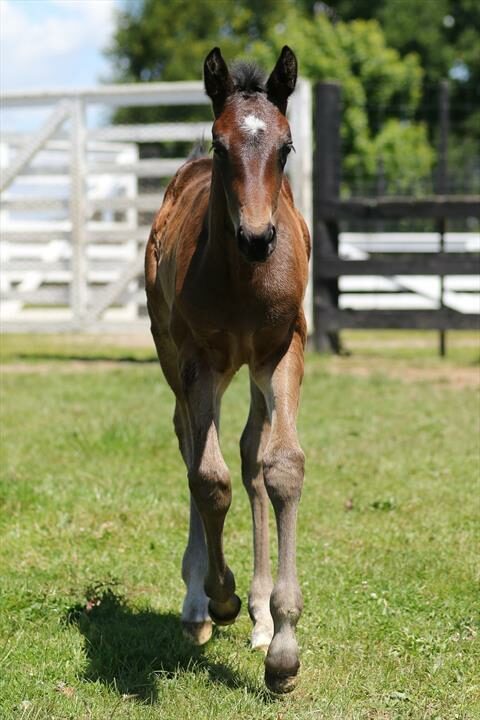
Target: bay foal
<point x="226" y="271"/>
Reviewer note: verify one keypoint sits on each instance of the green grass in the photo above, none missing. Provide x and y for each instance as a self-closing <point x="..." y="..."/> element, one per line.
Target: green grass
<point x="93" y="521"/>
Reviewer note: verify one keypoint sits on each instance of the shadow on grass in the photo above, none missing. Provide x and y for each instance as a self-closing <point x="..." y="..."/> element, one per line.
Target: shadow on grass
<point x="127" y="648"/>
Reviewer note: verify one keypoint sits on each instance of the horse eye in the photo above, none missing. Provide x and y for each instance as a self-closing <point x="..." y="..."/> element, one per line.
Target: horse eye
<point x="284" y="153"/>
<point x="219" y="149"/>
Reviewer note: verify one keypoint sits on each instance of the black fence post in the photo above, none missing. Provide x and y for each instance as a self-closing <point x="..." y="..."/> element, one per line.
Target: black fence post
<point x="326" y="189"/>
<point x="442" y="185"/>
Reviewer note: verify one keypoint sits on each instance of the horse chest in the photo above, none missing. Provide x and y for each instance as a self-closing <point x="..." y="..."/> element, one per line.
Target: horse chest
<point x="235" y="326"/>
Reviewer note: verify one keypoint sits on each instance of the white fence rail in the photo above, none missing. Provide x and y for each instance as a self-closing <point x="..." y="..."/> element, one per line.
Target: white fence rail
<point x="73" y="221"/>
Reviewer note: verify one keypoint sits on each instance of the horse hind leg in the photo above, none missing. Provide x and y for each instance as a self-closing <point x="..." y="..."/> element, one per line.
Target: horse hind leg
<point x="209" y="482"/>
<point x="252" y="446"/>
<point x="196" y="622"/>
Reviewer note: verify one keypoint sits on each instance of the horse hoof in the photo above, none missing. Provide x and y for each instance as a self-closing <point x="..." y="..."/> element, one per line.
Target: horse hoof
<point x="225" y="613"/>
<point x="197" y="632"/>
<point x="280" y="684"/>
<point x="261" y="640"/>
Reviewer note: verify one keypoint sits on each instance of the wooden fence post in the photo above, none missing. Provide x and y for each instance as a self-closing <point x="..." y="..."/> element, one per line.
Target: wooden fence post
<point x="326" y="188"/>
<point x="442" y="185"/>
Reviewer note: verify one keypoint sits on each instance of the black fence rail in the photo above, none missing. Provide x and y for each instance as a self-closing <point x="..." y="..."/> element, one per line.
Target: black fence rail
<point x="328" y="267"/>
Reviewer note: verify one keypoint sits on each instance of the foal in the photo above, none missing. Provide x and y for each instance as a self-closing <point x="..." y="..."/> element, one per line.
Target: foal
<point x="226" y="270"/>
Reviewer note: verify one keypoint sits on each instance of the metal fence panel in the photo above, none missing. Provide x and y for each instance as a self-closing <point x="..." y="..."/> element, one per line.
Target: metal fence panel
<point x="72" y="214"/>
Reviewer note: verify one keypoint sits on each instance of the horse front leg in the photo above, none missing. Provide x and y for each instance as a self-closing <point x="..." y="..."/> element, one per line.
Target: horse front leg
<point x="283" y="468"/>
<point x="209" y="482"/>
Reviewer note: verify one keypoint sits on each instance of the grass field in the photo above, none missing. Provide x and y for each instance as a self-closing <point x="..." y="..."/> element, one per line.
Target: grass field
<point x="93" y="521"/>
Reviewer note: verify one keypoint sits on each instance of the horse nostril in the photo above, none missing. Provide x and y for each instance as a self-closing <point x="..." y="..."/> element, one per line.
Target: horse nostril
<point x="265" y="238"/>
<point x="257" y="247"/>
<point x="242" y="237"/>
<point x="271" y="234"/>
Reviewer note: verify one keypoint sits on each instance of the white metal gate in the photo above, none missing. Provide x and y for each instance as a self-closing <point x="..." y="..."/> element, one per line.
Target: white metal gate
<point x="72" y="246"/>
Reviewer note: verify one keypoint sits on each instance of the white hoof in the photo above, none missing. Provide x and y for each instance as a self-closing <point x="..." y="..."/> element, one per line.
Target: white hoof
<point x="196" y="623"/>
<point x="261" y="638"/>
<point x="197" y="632"/>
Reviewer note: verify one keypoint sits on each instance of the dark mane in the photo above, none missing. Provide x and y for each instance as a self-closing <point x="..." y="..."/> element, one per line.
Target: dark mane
<point x="248" y="77"/>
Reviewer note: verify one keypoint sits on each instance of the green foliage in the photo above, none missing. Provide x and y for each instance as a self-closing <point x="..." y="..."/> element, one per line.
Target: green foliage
<point x="168" y="41"/>
<point x="406" y="154"/>
<point x="445" y="36"/>
<point x="441" y="32"/>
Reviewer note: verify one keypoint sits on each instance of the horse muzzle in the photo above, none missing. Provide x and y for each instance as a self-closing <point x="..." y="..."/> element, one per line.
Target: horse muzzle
<point x="257" y="247"/>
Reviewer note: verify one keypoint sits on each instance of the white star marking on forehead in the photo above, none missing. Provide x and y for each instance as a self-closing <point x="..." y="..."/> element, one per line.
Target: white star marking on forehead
<point x="252" y="124"/>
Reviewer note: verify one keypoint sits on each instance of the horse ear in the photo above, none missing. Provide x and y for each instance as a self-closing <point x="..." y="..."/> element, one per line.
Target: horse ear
<point x="281" y="82"/>
<point x="218" y="83"/>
